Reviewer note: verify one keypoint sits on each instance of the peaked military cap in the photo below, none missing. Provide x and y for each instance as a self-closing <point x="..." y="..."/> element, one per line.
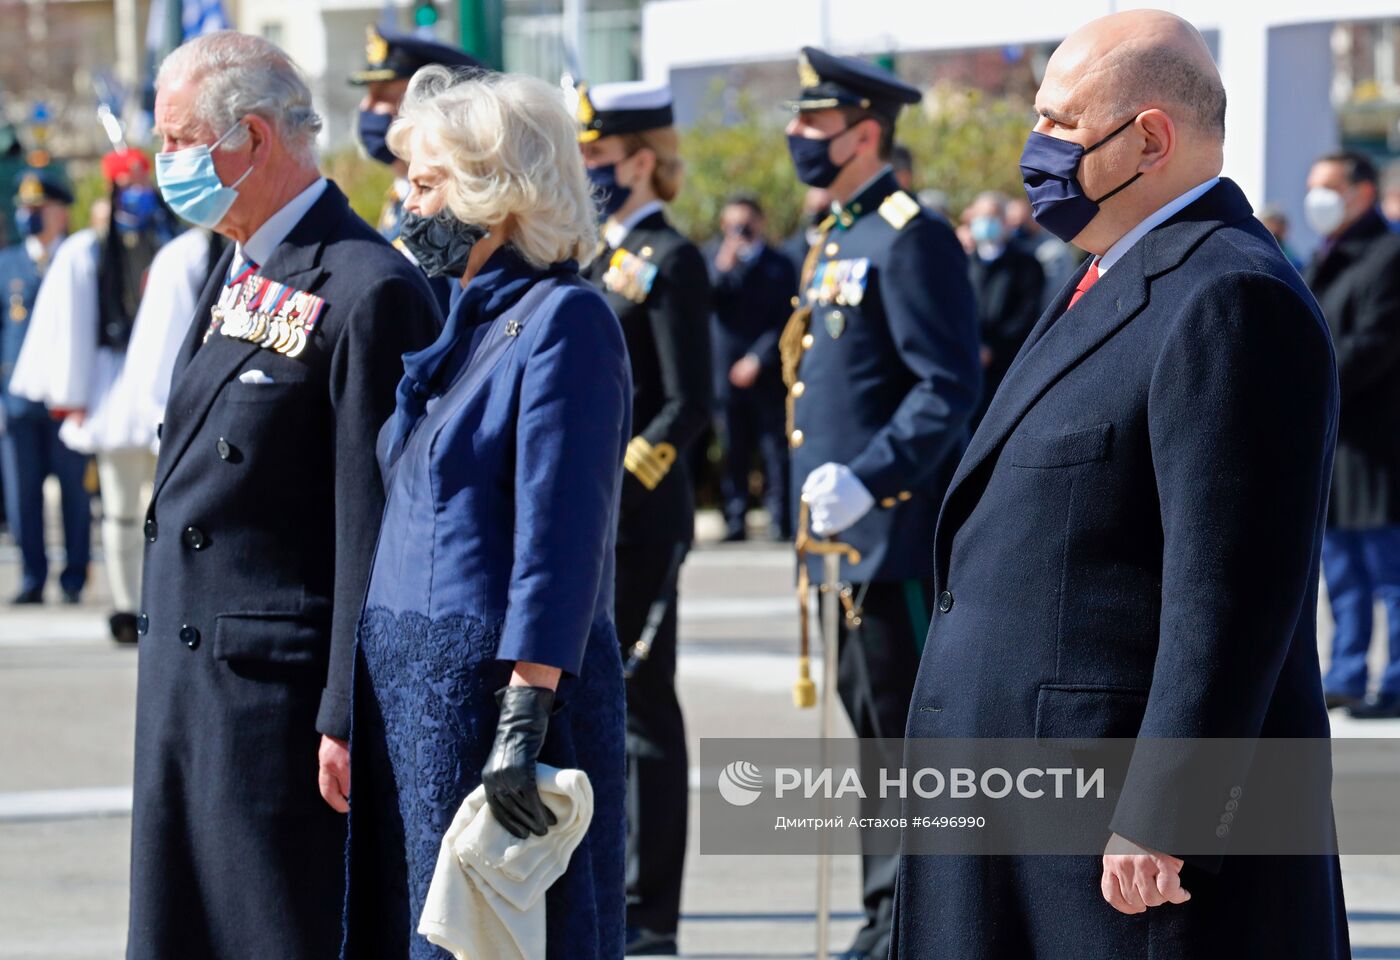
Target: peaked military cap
<point x="612" y="108"/>
<point x="831" y="81"/>
<point x="398" y="56"/>
<point x="33" y="187"/>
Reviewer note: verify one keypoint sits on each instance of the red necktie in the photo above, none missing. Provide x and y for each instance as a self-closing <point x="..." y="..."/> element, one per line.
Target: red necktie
<point x="1090" y="278"/>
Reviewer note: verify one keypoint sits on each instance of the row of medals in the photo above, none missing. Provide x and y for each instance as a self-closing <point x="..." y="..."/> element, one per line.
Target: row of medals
<point x="286" y="335"/>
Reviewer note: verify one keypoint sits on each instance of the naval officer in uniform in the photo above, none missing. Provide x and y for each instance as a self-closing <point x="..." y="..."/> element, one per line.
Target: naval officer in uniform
<point x="390" y="60"/>
<point x="657" y="283"/>
<point x="30" y="449"/>
<point x="263" y="522"/>
<point x="881" y="362"/>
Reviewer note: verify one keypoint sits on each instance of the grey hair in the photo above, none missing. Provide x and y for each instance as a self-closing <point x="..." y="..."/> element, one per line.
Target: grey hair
<point x="237" y="75"/>
<point x="995" y="197"/>
<point x="1145" y="75"/>
<point x="507" y="148"/>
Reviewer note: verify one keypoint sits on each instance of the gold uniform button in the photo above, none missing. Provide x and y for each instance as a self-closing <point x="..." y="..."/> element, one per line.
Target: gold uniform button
<point x="798" y="389"/>
<point x="807" y="341"/>
<point x="888" y="502"/>
<point x="832" y="249"/>
<point x="796" y="439"/>
<point x="796" y="302"/>
<point x="905" y="495"/>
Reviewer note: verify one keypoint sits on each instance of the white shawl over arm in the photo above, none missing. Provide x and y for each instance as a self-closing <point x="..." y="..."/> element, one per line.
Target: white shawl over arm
<point x="55" y="365"/>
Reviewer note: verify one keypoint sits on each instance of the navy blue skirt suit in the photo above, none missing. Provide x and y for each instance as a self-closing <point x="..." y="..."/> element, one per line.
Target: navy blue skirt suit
<point x="502" y="469"/>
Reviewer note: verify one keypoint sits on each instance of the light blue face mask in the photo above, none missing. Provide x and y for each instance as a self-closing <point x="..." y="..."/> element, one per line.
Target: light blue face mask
<point x="191" y="186"/>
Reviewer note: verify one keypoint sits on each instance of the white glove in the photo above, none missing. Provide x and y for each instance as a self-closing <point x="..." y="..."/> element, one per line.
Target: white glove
<point x="837" y="498"/>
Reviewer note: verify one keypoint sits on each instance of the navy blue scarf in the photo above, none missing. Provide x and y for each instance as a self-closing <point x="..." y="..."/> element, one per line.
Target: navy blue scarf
<point x="502" y="281"/>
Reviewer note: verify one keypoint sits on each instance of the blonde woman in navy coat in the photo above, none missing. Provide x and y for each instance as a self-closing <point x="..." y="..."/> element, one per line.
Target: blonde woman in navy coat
<point x="487" y="640"/>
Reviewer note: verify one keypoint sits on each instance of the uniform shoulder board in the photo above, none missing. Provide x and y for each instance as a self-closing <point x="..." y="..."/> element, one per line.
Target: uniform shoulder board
<point x="899" y="208"/>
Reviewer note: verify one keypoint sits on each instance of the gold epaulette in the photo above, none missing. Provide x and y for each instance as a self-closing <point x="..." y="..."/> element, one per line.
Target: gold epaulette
<point x="649" y="464"/>
<point x="898" y="209"/>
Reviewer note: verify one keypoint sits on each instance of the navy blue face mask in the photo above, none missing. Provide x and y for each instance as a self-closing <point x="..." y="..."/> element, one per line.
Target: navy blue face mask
<point x="610" y="195"/>
<point x="812" y="159"/>
<point x="30" y="221"/>
<point x="372" y="129"/>
<point x="1050" y="170"/>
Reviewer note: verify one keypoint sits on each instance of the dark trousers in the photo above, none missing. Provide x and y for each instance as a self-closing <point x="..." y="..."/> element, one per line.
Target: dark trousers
<point x="877" y="665"/>
<point x="658" y="774"/>
<point x="30" y="451"/>
<point x="1361" y="567"/>
<point x="755" y="419"/>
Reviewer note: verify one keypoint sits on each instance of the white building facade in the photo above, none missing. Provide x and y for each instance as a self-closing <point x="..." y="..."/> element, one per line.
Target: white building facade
<point x="1276" y="57"/>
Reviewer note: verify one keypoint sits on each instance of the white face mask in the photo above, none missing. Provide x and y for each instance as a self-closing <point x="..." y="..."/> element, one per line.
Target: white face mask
<point x="1324" y="209"/>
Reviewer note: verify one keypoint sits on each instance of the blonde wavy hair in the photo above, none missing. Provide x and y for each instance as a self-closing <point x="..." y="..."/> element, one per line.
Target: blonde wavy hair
<point x="506" y="146"/>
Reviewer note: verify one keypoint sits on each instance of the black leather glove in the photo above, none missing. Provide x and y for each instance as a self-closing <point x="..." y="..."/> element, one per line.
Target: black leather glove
<point x="509" y="774"/>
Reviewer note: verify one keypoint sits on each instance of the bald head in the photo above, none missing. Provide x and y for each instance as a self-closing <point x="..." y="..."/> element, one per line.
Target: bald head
<point x="1129" y="62"/>
<point x="1141" y="94"/>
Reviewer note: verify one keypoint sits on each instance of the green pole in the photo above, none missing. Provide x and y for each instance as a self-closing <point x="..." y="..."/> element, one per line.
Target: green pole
<point x="480" y="27"/>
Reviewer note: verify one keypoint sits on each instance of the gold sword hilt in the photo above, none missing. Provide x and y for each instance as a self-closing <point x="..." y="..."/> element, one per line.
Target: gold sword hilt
<point x="804" y="690"/>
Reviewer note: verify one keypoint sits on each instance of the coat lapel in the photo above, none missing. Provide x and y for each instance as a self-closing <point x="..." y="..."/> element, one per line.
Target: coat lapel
<point x="1060" y="340"/>
<point x="201" y="372"/>
<point x="1056" y="344"/>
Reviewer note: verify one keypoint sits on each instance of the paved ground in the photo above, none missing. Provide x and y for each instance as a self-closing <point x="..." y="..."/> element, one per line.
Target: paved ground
<point x="66" y="732"/>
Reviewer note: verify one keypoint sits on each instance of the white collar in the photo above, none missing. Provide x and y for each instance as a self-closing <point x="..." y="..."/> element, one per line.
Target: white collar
<point x="616" y="231"/>
<point x="1151" y="222"/>
<point x="275" y="228"/>
<point x="37" y="251"/>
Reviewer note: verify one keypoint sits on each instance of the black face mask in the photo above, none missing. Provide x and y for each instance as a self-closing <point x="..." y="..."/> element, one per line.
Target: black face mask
<point x="441" y="244"/>
<point x="373" y="130"/>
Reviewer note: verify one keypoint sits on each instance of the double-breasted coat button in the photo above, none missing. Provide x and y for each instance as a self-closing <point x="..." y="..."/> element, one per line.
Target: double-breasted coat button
<point x="189" y="636"/>
<point x="194" y="538"/>
<point x="225" y="451"/>
<point x="143" y="625"/>
<point x="945" y="601"/>
<point x="151" y="530"/>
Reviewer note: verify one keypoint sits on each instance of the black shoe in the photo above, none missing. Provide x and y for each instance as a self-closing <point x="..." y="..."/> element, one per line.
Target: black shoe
<point x="28" y="597"/>
<point x="123" y="627"/>
<point x="645" y="943"/>
<point x="735" y="535"/>
<point x="72" y="597"/>
<point x="1335" y="700"/>
<point x="1383" y="706"/>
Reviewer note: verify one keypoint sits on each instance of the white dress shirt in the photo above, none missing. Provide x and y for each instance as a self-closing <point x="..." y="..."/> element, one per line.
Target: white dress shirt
<point x="275" y="229"/>
<point x="615" y="231"/>
<point x="1151" y="222"/>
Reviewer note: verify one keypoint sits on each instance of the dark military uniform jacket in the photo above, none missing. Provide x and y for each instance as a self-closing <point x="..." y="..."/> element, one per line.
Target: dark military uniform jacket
<point x="656" y="282"/>
<point x="259" y="536"/>
<point x="19" y="283"/>
<point x="883" y="370"/>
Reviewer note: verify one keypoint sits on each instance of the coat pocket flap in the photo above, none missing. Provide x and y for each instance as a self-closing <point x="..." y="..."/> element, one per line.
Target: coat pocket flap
<point x="270" y="638"/>
<point x="1088" y="711"/>
<point x="1065" y="450"/>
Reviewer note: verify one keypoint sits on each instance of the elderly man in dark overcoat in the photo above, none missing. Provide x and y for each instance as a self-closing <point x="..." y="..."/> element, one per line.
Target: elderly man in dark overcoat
<point x="1130" y="545"/>
<point x="262" y="527"/>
